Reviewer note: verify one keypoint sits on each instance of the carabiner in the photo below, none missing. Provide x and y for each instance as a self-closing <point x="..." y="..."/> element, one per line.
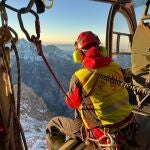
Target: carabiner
<point x="50" y="4"/>
<point x="37" y="24"/>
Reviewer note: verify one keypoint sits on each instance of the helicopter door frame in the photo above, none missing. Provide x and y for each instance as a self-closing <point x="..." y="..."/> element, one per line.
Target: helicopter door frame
<point x="128" y="12"/>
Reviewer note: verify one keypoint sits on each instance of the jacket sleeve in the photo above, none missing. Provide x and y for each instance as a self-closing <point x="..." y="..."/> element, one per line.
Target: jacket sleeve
<point x="74" y="97"/>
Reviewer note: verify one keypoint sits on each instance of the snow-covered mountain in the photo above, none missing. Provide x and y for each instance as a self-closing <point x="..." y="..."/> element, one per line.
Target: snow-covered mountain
<point x="34" y="118"/>
<point x="123" y="60"/>
<point x="32" y="105"/>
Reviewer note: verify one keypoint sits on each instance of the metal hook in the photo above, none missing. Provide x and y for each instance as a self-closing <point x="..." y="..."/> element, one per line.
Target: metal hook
<point x="50" y="4"/>
<point x="37" y="24"/>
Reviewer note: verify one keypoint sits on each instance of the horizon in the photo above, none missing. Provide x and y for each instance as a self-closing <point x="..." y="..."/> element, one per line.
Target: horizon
<point x="64" y="21"/>
<point x="66" y="46"/>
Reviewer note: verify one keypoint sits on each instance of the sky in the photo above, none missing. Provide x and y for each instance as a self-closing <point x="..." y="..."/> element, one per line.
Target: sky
<point x="67" y="18"/>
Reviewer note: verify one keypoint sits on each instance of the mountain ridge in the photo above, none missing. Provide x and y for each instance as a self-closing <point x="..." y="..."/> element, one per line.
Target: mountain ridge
<point x="36" y="75"/>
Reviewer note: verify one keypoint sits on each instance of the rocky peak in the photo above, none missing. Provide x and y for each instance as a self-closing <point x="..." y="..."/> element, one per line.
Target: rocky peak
<point x="33" y="105"/>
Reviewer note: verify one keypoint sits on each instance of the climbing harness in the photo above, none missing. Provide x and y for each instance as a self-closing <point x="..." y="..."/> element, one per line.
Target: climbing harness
<point x="123" y="138"/>
<point x="112" y="137"/>
<point x="106" y="140"/>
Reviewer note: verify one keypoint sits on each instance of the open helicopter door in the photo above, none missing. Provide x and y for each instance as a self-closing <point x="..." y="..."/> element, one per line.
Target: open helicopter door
<point x="127" y="10"/>
<point x="140" y="59"/>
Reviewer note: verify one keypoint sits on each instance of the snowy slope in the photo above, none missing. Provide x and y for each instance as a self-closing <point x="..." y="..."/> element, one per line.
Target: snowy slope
<point x="34" y="118"/>
<point x="123" y="60"/>
<point x="34" y="132"/>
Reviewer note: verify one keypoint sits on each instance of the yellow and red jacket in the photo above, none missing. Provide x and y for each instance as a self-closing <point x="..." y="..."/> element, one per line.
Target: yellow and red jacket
<point x="99" y="102"/>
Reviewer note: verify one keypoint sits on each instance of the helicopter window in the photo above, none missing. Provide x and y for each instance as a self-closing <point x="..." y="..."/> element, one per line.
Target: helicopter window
<point x="146" y="14"/>
<point x="121" y="34"/>
<point x="121" y="41"/>
<point x="139" y="2"/>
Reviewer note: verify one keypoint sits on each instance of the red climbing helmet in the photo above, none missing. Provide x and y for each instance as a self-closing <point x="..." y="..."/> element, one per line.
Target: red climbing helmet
<point x="86" y="38"/>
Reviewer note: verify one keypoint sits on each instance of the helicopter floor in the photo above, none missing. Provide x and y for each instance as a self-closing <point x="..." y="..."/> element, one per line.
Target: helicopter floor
<point x="144" y="110"/>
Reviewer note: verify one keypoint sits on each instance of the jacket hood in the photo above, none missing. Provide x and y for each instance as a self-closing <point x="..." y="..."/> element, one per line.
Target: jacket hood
<point x="93" y="59"/>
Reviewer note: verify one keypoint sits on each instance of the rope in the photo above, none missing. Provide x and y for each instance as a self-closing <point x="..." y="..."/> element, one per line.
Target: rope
<point x="9" y="122"/>
<point x="53" y="74"/>
<point x="12" y="105"/>
<point x="40" y="52"/>
<point x="11" y="8"/>
<point x="4" y="17"/>
<point x="8" y="71"/>
<point x="8" y="131"/>
<point x="19" y="127"/>
<point x="19" y="78"/>
<point x="29" y="6"/>
<point x="98" y="141"/>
